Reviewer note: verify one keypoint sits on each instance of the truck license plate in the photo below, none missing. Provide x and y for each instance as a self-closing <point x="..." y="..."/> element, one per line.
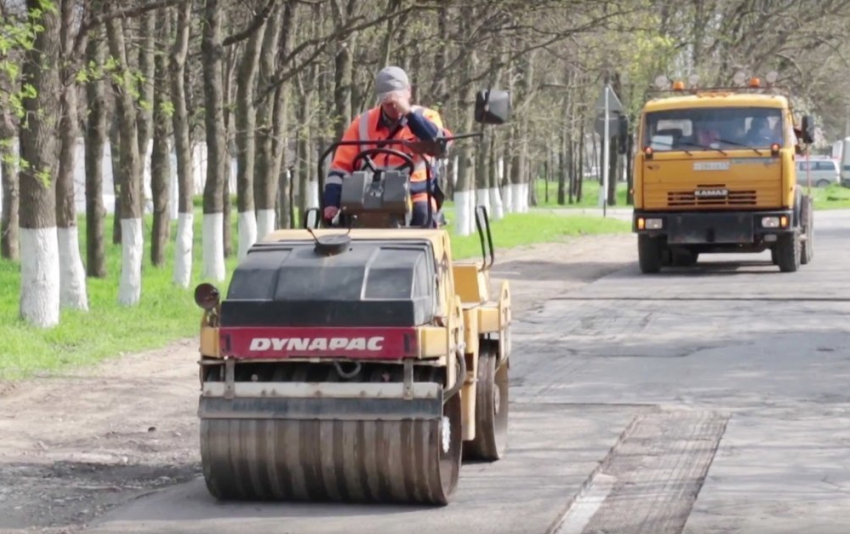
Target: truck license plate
<point x="711" y="166"/>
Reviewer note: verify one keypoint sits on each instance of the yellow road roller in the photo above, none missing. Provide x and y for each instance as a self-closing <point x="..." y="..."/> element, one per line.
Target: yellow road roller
<point x="358" y="363"/>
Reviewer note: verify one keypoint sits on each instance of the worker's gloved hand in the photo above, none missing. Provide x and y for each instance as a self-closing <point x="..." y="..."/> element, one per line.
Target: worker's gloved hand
<point x="330" y="212"/>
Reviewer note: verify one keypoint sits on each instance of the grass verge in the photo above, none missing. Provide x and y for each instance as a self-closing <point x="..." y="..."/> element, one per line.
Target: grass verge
<point x="826" y="198"/>
<point x="831" y="198"/>
<point x="547" y="195"/>
<point x="167" y="313"/>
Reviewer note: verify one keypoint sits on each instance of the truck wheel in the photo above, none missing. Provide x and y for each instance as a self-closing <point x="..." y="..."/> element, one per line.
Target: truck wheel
<point x="788" y="249"/>
<point x="823" y="183"/>
<point x="649" y="254"/>
<point x="808" y="217"/>
<point x="774" y="255"/>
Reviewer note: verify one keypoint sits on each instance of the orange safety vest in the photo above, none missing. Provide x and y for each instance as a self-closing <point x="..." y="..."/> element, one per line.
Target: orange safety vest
<point x="368" y="127"/>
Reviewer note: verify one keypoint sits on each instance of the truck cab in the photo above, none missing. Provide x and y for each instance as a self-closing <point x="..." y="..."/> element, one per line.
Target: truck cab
<point x="716" y="172"/>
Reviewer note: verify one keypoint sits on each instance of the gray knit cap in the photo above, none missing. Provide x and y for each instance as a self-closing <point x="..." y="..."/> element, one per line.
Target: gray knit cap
<point x="391" y="79"/>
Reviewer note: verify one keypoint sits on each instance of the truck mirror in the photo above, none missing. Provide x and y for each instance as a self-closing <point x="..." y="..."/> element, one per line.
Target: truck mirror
<point x="492" y="107"/>
<point x="808" y="129"/>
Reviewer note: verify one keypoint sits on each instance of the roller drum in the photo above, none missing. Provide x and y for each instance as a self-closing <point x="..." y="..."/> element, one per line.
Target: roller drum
<point x="380" y="461"/>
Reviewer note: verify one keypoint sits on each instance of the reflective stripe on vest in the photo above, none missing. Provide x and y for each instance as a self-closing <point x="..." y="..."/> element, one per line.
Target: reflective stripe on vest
<point x="363" y="135"/>
<point x="363" y="124"/>
<point x="419" y="175"/>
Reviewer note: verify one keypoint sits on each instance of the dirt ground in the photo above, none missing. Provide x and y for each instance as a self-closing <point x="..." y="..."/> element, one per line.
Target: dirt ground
<point x="73" y="446"/>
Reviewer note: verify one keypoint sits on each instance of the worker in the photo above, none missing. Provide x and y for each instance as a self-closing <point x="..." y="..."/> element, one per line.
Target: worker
<point x="761" y="134"/>
<point x="707" y="134"/>
<point x="393" y="118"/>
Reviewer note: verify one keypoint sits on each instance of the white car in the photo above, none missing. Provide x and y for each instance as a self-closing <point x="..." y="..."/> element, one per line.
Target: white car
<point x="824" y="172"/>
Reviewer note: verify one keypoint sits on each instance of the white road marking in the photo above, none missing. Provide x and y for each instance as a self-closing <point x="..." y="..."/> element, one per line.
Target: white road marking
<point x="586" y="505"/>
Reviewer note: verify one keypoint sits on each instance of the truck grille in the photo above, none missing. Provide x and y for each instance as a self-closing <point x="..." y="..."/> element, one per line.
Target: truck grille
<point x="687" y="198"/>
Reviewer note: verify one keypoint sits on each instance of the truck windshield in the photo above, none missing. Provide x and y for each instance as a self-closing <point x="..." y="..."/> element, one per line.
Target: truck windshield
<point x="712" y="129"/>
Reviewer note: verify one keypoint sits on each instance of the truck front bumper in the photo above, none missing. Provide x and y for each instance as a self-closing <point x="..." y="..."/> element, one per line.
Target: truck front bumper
<point x="708" y="228"/>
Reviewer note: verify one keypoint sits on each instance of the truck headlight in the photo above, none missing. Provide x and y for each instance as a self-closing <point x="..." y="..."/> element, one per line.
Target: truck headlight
<point x="770" y="222"/>
<point x="654" y="224"/>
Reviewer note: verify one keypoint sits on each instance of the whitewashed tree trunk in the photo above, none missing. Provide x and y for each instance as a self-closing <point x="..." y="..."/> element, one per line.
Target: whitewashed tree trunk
<point x="508" y="198"/>
<point x="215" y="134"/>
<point x="312" y="194"/>
<point x="498" y="211"/>
<point x="454" y="172"/>
<point x="516" y="198"/>
<point x="40" y="276"/>
<point x="145" y="164"/>
<point x="266" y="220"/>
<point x="72" y="275"/>
<point x="463" y="215"/>
<point x="482" y="198"/>
<point x="247" y="232"/>
<point x="213" y="239"/>
<point x="187" y="173"/>
<point x="39" y="297"/>
<point x="472" y="206"/>
<point x="524" y="196"/>
<point x="183" y="249"/>
<point x="132" y="237"/>
<point x="246" y="146"/>
<point x="173" y="188"/>
<point x="132" y="251"/>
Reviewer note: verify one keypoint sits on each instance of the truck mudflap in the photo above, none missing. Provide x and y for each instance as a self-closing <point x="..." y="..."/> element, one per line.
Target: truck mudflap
<point x="375" y="441"/>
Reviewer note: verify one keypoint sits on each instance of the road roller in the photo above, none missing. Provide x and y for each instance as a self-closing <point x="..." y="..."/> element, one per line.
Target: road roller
<point x="356" y="361"/>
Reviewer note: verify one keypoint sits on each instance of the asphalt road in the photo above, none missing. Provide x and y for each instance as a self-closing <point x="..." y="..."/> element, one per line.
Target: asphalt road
<point x="707" y="400"/>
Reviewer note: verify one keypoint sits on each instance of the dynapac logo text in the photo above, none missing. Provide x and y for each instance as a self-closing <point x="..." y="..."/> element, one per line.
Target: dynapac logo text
<point x="317" y="343"/>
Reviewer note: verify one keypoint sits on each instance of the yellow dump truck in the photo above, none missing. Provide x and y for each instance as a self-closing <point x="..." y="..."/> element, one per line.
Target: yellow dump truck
<point x="716" y="173"/>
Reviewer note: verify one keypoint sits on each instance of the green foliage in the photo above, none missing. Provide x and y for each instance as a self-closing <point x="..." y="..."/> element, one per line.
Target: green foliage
<point x="166" y="108"/>
<point x="16" y="37"/>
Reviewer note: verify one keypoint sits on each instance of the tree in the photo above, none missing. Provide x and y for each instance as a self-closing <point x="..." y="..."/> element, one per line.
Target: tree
<point x="16" y="35"/>
<point x="160" y="164"/>
<point x="132" y="235"/>
<point x="212" y="51"/>
<point x="182" y="146"/>
<point x="72" y="274"/>
<point x="95" y="141"/>
<point x="8" y="175"/>
<point x="271" y="125"/>
<point x="246" y="142"/>
<point x="39" y="304"/>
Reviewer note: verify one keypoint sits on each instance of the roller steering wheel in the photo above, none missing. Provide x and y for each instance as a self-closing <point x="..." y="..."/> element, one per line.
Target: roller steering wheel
<point x="365" y="155"/>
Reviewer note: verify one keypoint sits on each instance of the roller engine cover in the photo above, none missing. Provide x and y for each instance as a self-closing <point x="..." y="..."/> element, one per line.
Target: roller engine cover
<point x="377" y="199"/>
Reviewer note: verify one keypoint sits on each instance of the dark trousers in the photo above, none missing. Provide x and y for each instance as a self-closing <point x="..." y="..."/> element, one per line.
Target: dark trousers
<point x="420" y="215"/>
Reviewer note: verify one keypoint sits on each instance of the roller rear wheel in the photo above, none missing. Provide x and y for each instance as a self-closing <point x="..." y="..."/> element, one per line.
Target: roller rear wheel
<point x="491" y="407"/>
